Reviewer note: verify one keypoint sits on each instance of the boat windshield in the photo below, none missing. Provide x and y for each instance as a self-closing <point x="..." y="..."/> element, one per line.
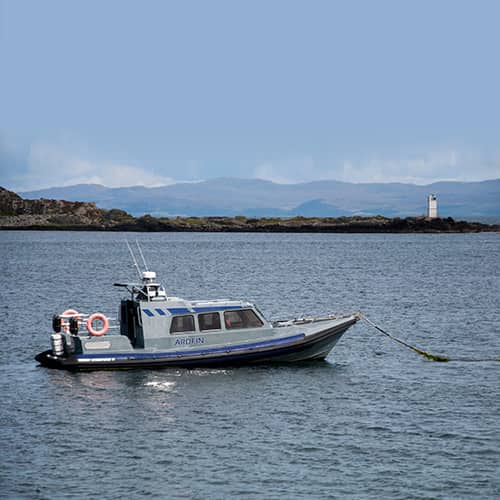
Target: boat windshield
<point x="242" y="318"/>
<point x="209" y="321"/>
<point x="182" y="324"/>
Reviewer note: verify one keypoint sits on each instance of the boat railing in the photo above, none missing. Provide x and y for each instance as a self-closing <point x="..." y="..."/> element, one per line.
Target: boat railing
<point x="304" y="320"/>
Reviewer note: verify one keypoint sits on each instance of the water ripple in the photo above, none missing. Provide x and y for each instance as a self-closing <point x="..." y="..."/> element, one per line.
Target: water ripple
<point x="373" y="421"/>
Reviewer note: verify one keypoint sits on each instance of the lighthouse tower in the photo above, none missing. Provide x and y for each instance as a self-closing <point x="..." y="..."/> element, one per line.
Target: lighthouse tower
<point x="432" y="206"/>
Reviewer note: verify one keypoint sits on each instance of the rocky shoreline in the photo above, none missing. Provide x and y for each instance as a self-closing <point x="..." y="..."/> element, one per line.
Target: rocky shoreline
<point x="17" y="213"/>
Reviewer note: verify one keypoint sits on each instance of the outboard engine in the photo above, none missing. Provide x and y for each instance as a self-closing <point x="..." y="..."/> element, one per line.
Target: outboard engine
<point x="73" y="325"/>
<point x="56" y="323"/>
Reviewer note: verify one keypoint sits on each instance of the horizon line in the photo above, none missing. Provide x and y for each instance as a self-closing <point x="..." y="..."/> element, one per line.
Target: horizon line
<point x="156" y="186"/>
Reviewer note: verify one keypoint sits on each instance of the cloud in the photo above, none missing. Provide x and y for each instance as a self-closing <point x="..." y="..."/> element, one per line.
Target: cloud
<point x="50" y="165"/>
<point x="289" y="172"/>
<point x="426" y="168"/>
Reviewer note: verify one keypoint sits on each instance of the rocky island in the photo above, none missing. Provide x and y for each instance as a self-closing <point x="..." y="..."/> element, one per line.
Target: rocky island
<point x="17" y="213"/>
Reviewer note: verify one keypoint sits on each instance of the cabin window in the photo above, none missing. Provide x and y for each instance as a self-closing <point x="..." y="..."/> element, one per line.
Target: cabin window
<point x="182" y="324"/>
<point x="242" y="318"/>
<point x="209" y="321"/>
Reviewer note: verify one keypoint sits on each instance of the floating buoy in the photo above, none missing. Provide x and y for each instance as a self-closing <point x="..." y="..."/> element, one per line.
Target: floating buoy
<point x="97" y="317"/>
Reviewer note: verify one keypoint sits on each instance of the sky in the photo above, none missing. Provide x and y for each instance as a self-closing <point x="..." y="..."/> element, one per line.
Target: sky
<point x="153" y="92"/>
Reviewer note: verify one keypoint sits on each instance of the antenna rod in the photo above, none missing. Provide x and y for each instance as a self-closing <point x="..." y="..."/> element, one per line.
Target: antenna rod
<point x="142" y="256"/>
<point x="133" y="258"/>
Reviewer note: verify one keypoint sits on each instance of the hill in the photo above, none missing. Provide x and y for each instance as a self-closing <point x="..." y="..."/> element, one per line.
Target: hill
<point x="258" y="198"/>
<point x="47" y="214"/>
<point x="18" y="213"/>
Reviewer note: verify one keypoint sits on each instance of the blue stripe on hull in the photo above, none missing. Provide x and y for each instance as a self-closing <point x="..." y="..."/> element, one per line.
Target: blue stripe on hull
<point x="285" y="350"/>
<point x="259" y="356"/>
<point x="199" y="352"/>
<point x="227" y="360"/>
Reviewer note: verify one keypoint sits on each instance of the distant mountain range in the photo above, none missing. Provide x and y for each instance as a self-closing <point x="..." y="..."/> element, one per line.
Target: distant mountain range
<point x="259" y="198"/>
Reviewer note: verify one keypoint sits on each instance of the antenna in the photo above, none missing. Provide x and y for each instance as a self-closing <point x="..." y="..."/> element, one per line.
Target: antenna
<point x="142" y="256"/>
<point x="133" y="258"/>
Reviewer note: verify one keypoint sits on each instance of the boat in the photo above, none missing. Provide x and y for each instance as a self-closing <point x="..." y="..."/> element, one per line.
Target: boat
<point x="156" y="330"/>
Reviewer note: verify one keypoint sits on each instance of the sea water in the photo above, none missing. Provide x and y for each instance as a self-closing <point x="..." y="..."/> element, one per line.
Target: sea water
<point x="372" y="421"/>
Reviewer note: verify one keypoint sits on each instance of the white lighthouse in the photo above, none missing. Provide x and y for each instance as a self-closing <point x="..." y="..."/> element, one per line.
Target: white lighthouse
<point x="432" y="206"/>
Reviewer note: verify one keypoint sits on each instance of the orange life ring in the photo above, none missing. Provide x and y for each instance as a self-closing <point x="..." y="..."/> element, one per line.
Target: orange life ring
<point x="92" y="330"/>
<point x="64" y="322"/>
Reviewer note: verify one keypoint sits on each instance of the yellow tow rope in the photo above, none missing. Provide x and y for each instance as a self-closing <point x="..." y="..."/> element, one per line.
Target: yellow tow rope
<point x="431" y="357"/>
